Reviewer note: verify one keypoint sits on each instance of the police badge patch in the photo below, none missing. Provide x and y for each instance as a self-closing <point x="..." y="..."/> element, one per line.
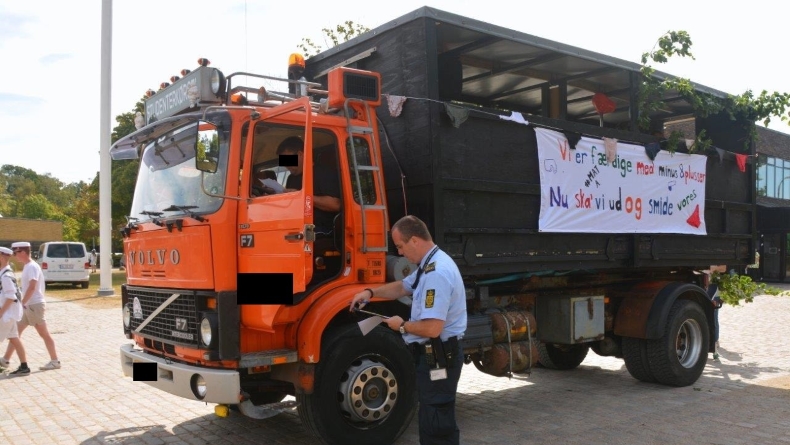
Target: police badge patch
<point x="429" y="268"/>
<point x="429" y="294"/>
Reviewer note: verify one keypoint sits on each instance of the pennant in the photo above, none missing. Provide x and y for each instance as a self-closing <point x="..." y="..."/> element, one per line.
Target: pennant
<point x="395" y="104"/>
<point x="611" y="149"/>
<point x="516" y="117"/>
<point x="573" y="138"/>
<point x="458" y="115"/>
<point x="652" y="150"/>
<point x="721" y="154"/>
<point x="694" y="218"/>
<point x="741" y="162"/>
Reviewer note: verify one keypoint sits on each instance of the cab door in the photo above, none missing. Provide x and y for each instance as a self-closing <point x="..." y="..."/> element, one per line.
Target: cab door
<point x="276" y="235"/>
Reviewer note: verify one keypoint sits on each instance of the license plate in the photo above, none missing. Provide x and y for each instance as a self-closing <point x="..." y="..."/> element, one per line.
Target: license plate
<point x="67" y="266"/>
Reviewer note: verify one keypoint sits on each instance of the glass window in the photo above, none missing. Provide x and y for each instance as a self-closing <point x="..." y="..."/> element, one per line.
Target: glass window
<point x="773" y="177"/>
<point x="76" y="251"/>
<point x="168" y="181"/>
<point x="762" y="187"/>
<point x="360" y="149"/>
<point x="58" y="251"/>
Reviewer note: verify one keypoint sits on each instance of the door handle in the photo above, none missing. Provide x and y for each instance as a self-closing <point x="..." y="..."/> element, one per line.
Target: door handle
<point x="294" y="236"/>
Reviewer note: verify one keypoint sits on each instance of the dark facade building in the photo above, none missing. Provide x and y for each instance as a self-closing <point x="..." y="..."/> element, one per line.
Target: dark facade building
<point x="773" y="205"/>
<point x="772" y="259"/>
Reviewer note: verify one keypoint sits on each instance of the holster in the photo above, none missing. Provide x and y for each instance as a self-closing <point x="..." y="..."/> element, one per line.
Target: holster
<point x="438" y="352"/>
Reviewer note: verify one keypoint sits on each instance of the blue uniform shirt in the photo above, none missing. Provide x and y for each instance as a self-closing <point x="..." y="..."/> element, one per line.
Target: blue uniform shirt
<point x="440" y="294"/>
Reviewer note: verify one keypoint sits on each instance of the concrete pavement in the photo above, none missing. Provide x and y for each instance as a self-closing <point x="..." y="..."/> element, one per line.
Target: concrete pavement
<point x="743" y="398"/>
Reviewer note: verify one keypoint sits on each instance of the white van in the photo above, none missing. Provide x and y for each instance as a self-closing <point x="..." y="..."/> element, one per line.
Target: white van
<point x="64" y="262"/>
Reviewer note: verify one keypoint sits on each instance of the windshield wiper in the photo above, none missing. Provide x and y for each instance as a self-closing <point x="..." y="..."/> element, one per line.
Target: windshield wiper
<point x="186" y="210"/>
<point x="154" y="217"/>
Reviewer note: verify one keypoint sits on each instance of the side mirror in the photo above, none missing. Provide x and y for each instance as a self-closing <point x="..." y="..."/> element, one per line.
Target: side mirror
<point x="207" y="147"/>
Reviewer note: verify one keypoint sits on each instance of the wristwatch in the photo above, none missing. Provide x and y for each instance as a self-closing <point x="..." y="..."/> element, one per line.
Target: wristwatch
<point x="402" y="328"/>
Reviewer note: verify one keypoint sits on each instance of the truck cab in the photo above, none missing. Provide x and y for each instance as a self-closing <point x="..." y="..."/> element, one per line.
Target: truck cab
<point x="236" y="265"/>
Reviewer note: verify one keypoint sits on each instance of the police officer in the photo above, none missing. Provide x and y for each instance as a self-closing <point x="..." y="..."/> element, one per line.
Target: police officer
<point x="438" y="320"/>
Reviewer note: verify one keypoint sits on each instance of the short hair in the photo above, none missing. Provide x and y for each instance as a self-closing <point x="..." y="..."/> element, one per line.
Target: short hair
<point x="410" y="226"/>
<point x="294" y="143"/>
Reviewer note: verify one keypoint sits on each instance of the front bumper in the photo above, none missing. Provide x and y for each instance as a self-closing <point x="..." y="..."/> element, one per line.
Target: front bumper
<point x="222" y="386"/>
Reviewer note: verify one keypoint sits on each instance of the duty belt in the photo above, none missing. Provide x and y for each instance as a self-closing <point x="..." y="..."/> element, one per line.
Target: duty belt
<point x="441" y="353"/>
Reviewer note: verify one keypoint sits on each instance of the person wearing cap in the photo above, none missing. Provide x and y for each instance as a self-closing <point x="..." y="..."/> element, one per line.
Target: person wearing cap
<point x="93" y="259"/>
<point x="33" y="304"/>
<point x="11" y="311"/>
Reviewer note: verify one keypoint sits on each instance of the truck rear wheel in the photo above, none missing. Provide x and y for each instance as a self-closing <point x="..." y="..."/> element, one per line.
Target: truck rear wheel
<point x="365" y="389"/>
<point x="561" y="357"/>
<point x="679" y="356"/>
<point x="635" y="357"/>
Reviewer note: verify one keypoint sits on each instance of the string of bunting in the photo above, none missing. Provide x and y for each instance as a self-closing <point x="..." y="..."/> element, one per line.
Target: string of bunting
<point x="458" y="114"/>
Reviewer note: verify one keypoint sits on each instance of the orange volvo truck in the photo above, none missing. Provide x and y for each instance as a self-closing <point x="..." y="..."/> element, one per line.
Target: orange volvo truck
<point x="240" y="268"/>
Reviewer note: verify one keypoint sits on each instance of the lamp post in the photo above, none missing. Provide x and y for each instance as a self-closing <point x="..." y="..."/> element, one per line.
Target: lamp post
<point x="105" y="202"/>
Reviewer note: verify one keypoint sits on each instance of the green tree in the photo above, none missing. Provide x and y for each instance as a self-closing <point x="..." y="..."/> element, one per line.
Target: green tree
<point x="652" y="90"/>
<point x="341" y="33"/>
<point x="36" y="206"/>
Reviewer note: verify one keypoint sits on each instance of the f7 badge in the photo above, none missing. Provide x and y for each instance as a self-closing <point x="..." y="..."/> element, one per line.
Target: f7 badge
<point x="247" y="241"/>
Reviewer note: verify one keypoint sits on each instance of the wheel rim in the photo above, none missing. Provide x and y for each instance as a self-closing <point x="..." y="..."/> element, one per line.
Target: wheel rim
<point x="368" y="391"/>
<point x="688" y="343"/>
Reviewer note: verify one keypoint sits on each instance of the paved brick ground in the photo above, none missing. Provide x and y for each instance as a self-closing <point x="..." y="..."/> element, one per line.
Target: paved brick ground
<point x="743" y="398"/>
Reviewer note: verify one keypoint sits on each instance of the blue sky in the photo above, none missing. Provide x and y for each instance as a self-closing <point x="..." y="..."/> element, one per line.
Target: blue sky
<point x="50" y="76"/>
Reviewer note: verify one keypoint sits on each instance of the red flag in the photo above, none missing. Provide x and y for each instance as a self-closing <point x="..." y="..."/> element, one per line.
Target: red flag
<point x="694" y="218"/>
<point x="741" y="162"/>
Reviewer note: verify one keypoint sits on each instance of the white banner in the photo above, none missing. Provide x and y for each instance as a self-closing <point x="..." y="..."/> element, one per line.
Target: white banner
<point x="584" y="192"/>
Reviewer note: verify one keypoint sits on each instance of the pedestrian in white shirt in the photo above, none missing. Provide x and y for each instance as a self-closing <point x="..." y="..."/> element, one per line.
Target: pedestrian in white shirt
<point x="33" y="304"/>
<point x="11" y="310"/>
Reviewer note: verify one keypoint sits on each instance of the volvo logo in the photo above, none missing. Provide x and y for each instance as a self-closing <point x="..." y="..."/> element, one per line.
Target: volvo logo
<point x="154" y="257"/>
<point x="137" y="309"/>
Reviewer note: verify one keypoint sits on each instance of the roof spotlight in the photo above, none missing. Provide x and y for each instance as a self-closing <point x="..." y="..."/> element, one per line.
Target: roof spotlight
<point x="163" y="85"/>
<point x="174" y="79"/>
<point x="203" y="62"/>
<point x="185" y="71"/>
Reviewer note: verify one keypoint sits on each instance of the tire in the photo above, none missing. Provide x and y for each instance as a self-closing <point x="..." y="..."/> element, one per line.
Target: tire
<point x="377" y="365"/>
<point x="561" y="357"/>
<point x="679" y="356"/>
<point x="635" y="357"/>
<point x="84" y="284"/>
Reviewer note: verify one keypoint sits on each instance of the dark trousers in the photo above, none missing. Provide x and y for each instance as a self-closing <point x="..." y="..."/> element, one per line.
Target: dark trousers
<point x="437" y="403"/>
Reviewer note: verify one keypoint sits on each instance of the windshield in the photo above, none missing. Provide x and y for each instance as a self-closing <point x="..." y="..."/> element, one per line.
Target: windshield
<point x="168" y="183"/>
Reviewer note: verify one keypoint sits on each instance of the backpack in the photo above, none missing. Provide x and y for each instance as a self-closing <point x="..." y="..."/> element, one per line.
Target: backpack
<point x="17" y="315"/>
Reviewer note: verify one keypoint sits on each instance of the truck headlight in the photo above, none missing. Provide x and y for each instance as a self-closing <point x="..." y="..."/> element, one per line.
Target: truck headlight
<point x="205" y="331"/>
<point x="127" y="317"/>
<point x="217" y="80"/>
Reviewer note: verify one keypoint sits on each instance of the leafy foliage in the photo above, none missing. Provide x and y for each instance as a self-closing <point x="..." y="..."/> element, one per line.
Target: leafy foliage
<point x="341" y="33"/>
<point x="652" y="89"/>
<point x="733" y="288"/>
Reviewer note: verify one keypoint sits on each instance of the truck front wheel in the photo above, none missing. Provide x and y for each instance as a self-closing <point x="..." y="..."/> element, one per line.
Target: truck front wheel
<point x="561" y="356"/>
<point x="679" y="356"/>
<point x="365" y="388"/>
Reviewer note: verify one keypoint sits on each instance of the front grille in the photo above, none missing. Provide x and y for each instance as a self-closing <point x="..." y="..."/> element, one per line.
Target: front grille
<point x="177" y="323"/>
